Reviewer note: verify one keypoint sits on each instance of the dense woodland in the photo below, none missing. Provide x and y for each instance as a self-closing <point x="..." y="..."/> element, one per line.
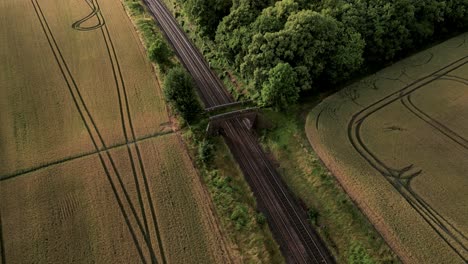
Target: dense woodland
<point x="285" y="47"/>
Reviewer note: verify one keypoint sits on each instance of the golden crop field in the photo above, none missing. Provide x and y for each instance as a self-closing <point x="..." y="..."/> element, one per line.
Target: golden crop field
<point x="398" y="143"/>
<point x="90" y="170"/>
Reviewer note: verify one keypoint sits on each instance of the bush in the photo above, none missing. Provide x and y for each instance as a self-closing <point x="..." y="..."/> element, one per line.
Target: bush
<point x="313" y="215"/>
<point x="135" y="8"/>
<point x="261" y="219"/>
<point x="147" y="27"/>
<point x="159" y="52"/>
<point x="358" y="255"/>
<point x="280" y="90"/>
<point x="179" y="91"/>
<point x="240" y="216"/>
<point x="206" y="151"/>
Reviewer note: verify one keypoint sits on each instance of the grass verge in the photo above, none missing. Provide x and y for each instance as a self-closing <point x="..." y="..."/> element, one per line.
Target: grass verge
<point x="348" y="233"/>
<point x="150" y="35"/>
<point x="234" y="201"/>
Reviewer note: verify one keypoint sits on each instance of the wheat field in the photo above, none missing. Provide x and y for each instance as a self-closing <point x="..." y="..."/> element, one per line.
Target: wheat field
<point x="90" y="169"/>
<point x="397" y="141"/>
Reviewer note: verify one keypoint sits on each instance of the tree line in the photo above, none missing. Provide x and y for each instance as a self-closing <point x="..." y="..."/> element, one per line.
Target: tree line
<point x="178" y="86"/>
<point x="284" y="47"/>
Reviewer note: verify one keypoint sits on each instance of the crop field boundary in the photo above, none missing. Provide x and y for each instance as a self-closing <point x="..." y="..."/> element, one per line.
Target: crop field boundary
<point x="97" y="139"/>
<point x="400" y="178"/>
<point x="82" y="155"/>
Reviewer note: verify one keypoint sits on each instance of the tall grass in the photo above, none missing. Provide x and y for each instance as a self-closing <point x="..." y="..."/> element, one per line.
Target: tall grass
<point x="348" y="233"/>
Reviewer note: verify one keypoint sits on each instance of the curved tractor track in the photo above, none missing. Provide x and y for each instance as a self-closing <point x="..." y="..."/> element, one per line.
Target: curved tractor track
<point x="288" y="221"/>
<point x="137" y="223"/>
<point x="437" y="125"/>
<point x="401" y="178"/>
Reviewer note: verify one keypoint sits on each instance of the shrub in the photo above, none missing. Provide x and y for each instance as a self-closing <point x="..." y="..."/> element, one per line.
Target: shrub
<point x="313" y="215"/>
<point x="240" y="216"/>
<point x="261" y="219"/>
<point x="206" y="151"/>
<point x="280" y="90"/>
<point x="135" y="8"/>
<point x="179" y="91"/>
<point x="159" y="52"/>
<point x="358" y="255"/>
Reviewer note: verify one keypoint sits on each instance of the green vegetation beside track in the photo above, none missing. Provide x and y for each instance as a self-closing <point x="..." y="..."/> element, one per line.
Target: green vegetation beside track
<point x="233" y="198"/>
<point x="346" y="230"/>
<point x="348" y="233"/>
<point x="235" y="205"/>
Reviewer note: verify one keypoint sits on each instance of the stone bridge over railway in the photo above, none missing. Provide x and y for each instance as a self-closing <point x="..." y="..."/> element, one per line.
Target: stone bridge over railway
<point x="248" y="117"/>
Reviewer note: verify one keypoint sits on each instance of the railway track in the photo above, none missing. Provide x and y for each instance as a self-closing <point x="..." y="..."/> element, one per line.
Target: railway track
<point x="211" y="90"/>
<point x="288" y="221"/>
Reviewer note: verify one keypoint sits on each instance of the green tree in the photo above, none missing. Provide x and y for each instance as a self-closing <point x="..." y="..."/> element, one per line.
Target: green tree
<point x="159" y="52"/>
<point x="456" y="15"/>
<point x="273" y="18"/>
<point x="280" y="90"/>
<point x="234" y="34"/>
<point x="316" y="45"/>
<point x="326" y="42"/>
<point x="384" y="25"/>
<point x="254" y="5"/>
<point x="208" y="13"/>
<point x="179" y="91"/>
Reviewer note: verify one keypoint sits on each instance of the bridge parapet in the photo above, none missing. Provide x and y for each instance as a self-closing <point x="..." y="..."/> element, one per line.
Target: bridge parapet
<point x="224" y="106"/>
<point x="248" y="117"/>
